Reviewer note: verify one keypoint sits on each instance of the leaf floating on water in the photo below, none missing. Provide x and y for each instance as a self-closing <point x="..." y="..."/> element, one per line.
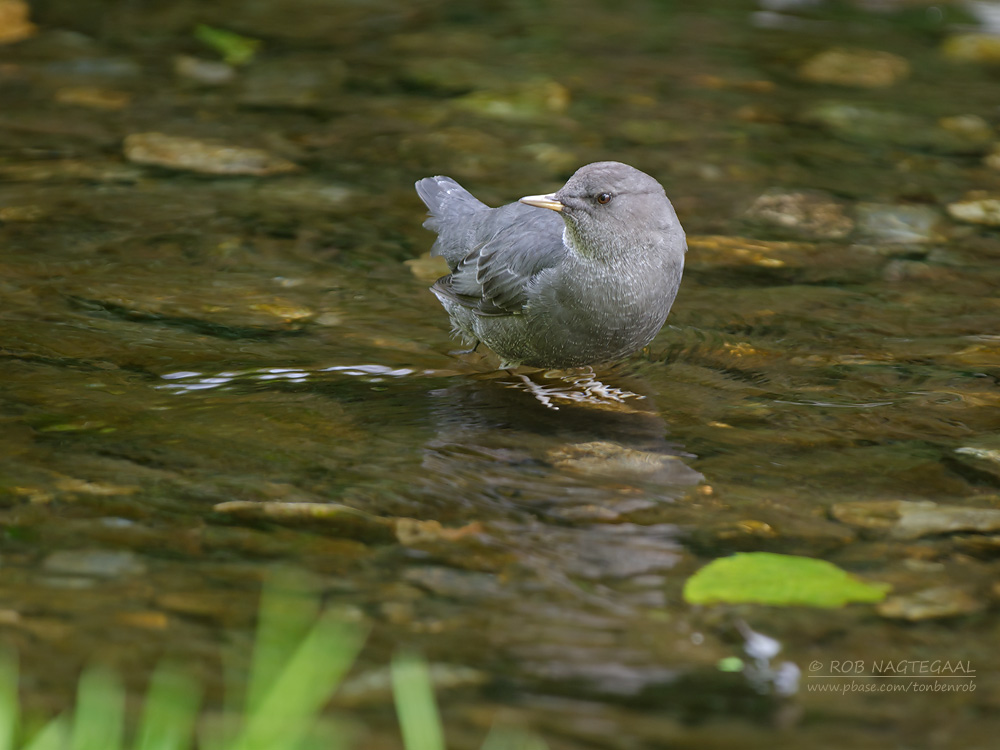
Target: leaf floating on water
<point x="234" y="48"/>
<point x="778" y="580"/>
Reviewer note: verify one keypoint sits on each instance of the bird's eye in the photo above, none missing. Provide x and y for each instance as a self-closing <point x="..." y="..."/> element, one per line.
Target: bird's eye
<point x="604" y="198"/>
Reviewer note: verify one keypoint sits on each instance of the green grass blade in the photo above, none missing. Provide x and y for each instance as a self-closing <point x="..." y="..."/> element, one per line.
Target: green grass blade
<point x="98" y="722"/>
<point x="10" y="707"/>
<point x="170" y="712"/>
<point x="415" y="704"/>
<point x="510" y="738"/>
<point x="288" y="608"/>
<point x="53" y="736"/>
<point x="285" y="715"/>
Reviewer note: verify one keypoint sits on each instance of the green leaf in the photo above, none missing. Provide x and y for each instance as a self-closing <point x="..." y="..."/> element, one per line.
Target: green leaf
<point x="415" y="705"/>
<point x="299" y="661"/>
<point x="53" y="736"/>
<point x="289" y="607"/>
<point x="10" y="707"/>
<point x="730" y="664"/>
<point x="780" y="580"/>
<point x="170" y="712"/>
<point x="512" y="738"/>
<point x="98" y="721"/>
<point x="234" y="48"/>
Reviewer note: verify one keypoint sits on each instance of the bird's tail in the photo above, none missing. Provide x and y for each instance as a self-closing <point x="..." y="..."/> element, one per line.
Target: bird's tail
<point x="446" y="200"/>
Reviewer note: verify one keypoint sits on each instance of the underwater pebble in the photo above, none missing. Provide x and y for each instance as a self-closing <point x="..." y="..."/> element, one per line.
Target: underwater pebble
<point x="992" y="159"/>
<point x="962" y="134"/>
<point x="528" y="100"/>
<point x="855" y="67"/>
<point x="974" y="47"/>
<point x="460" y="584"/>
<point x="28" y="213"/>
<point x="905" y="519"/>
<point x="301" y="82"/>
<point x="898" y="224"/>
<point x="977" y="208"/>
<point x="983" y="459"/>
<point x="303" y="192"/>
<point x="726" y="250"/>
<point x="14" y="23"/>
<point x="206" y="72"/>
<point x="207" y="157"/>
<point x="447" y="75"/>
<point x="339" y="518"/>
<point x="602" y="457"/>
<point x="94" y="563"/>
<point x="930" y="604"/>
<point x="655" y="132"/>
<point x="915" y="270"/>
<point x="811" y="214"/>
<point x="69" y="170"/>
<point x="93" y="97"/>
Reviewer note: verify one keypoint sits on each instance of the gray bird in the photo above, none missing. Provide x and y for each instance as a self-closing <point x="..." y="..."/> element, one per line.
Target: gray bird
<point x="589" y="281"/>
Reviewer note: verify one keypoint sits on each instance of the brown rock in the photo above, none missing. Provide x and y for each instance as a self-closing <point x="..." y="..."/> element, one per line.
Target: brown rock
<point x="208" y="157"/>
<point x="855" y="67"/>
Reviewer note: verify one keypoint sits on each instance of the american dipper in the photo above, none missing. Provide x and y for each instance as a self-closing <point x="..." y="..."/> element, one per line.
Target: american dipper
<point x="590" y="281"/>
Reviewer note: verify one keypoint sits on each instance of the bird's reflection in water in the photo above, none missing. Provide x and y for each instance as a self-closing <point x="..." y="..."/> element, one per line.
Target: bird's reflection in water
<point x="592" y="429"/>
<point x="582" y="495"/>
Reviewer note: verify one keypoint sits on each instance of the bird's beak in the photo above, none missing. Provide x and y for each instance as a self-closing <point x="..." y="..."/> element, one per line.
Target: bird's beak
<point x="543" y="201"/>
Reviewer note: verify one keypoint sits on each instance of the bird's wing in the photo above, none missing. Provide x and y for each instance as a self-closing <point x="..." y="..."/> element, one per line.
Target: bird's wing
<point x="494" y="277"/>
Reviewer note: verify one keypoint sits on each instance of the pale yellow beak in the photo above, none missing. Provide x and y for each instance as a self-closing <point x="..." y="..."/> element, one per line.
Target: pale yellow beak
<point x="543" y="201"/>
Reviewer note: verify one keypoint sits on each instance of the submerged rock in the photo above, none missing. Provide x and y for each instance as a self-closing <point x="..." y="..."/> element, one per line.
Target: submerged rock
<point x="304" y="82"/>
<point x="205" y="72"/>
<point x="69" y="170"/>
<point x="652" y="132"/>
<point x="28" y="213"/>
<point x="930" y="604"/>
<point x="974" y="47"/>
<point x="94" y="563"/>
<point x="332" y="517"/>
<point x="606" y="458"/>
<point x="447" y="75"/>
<point x="807" y="213"/>
<point x="527" y="100"/>
<point x="992" y="159"/>
<point x="855" y="67"/>
<point x="93" y="97"/>
<point x="977" y="208"/>
<point x="899" y="224"/>
<point x="14" y="23"/>
<point x="905" y="519"/>
<point x="963" y="134"/>
<point x="982" y="459"/>
<point x="716" y="250"/>
<point x="207" y="157"/>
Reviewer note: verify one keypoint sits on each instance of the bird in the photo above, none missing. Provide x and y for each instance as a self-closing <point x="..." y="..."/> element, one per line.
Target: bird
<point x="580" y="277"/>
